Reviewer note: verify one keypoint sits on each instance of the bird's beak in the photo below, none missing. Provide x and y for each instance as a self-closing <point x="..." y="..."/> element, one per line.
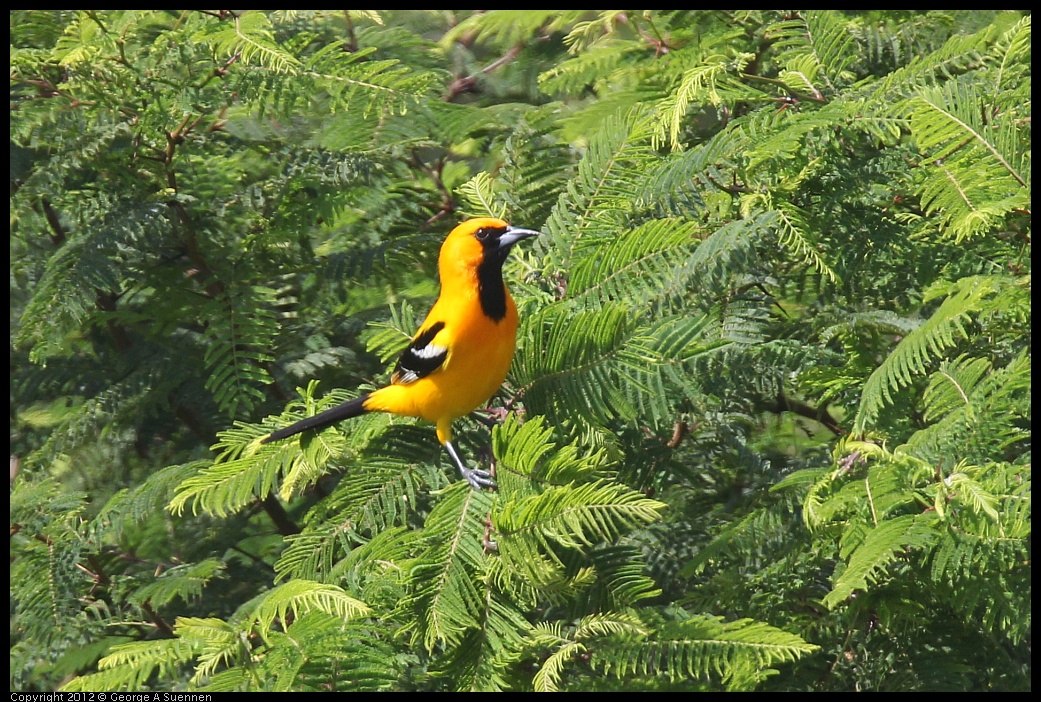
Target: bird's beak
<point x="515" y="234"/>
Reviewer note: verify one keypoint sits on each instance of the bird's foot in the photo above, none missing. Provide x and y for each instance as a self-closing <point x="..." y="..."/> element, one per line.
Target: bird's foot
<point x="479" y="479"/>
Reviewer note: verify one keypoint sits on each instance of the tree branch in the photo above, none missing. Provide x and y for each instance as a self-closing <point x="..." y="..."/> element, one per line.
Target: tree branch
<point x="819" y="414"/>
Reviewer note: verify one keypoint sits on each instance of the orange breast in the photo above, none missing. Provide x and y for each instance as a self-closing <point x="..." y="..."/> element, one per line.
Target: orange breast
<point x="479" y="357"/>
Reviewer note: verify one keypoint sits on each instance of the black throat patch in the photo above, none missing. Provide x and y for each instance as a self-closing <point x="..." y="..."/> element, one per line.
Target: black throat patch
<point x="491" y="291"/>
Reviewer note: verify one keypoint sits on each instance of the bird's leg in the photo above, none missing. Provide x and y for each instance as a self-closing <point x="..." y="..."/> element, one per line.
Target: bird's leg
<point x="475" y="476"/>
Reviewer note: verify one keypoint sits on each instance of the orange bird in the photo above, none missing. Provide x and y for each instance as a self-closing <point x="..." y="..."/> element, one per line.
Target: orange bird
<point x="462" y="351"/>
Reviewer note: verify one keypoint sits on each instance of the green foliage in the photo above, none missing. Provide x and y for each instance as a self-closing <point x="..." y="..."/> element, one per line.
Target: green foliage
<point x="941" y="331"/>
<point x="956" y="132"/>
<point x="768" y="423"/>
<point x="742" y="652"/>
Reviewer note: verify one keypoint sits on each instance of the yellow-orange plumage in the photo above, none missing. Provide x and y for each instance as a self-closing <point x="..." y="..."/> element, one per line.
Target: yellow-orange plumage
<point x="461" y="353"/>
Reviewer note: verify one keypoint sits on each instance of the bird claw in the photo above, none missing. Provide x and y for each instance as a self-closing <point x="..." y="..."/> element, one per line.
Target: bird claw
<point x="479" y="479"/>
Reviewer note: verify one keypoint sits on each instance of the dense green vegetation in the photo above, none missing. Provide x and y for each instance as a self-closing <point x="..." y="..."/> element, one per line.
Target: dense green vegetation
<point x="768" y="425"/>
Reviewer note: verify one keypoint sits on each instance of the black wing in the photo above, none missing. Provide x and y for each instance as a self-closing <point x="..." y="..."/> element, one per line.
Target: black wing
<point x="421" y="358"/>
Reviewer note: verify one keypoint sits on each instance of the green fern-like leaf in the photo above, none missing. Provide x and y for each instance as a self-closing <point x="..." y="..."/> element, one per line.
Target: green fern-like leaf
<point x="143" y="502"/>
<point x="792" y="233"/>
<point x="88" y="265"/>
<point x="971" y="563"/>
<point x="970" y="404"/>
<point x="237" y="354"/>
<point x="622" y="576"/>
<point x="702" y="646"/>
<point x="535" y="169"/>
<point x="951" y="386"/>
<point x="599" y="364"/>
<point x="976" y="171"/>
<point x="714" y="82"/>
<point x="241" y="474"/>
<point x="510" y="27"/>
<point x="817" y="49"/>
<point x="644" y="263"/>
<point x="184" y="582"/>
<point x="565" y="358"/>
<point x="444" y="591"/>
<point x="598" y="198"/>
<point x="228" y="486"/>
<point x="485" y="654"/>
<point x="249" y="36"/>
<point x="319" y="653"/>
<point x="558" y="526"/>
<point x="910" y="356"/>
<point x="880" y="547"/>
<point x="371" y="86"/>
<point x="577" y="516"/>
<point x="574" y="74"/>
<point x="388" y="339"/>
<point x="130" y="665"/>
<point x="370" y="500"/>
<point x="957" y="55"/>
<point x="1013" y="50"/>
<point x="566" y="646"/>
<point x="218" y="643"/>
<point x="297" y="597"/>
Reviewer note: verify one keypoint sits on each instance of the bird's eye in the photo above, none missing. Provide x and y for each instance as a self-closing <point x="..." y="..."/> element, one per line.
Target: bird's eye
<point x="482" y="234"/>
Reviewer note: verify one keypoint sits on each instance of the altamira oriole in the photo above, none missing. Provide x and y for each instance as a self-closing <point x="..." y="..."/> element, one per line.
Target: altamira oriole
<point x="462" y="351"/>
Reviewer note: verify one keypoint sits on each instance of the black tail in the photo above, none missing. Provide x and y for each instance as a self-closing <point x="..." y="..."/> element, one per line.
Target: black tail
<point x="351" y="408"/>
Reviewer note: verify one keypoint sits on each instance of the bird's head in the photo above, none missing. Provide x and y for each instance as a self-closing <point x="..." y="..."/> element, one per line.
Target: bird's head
<point x="482" y="241"/>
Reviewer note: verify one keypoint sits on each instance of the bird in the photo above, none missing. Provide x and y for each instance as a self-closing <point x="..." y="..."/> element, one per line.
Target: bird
<point x="461" y="353"/>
